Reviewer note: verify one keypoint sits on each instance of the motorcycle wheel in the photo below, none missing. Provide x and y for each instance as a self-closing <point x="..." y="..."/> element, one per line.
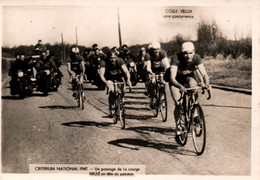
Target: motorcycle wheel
<point x="21" y="90"/>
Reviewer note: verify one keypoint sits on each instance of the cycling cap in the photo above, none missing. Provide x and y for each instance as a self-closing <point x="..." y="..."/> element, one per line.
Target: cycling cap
<point x="75" y="50"/>
<point x="155" y="45"/>
<point x="187" y="46"/>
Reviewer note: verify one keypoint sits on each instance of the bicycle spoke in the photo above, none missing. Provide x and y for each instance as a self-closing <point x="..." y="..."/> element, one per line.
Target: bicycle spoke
<point x="163" y="106"/>
<point x="198" y="129"/>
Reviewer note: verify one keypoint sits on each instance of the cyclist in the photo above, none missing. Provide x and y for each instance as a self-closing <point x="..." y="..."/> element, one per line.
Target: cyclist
<point x="156" y="62"/>
<point x="126" y="54"/>
<point x="75" y="66"/>
<point x="184" y="74"/>
<point x="111" y="69"/>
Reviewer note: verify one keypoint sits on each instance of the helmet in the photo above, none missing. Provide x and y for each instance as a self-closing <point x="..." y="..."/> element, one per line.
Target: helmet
<point x="155" y="45"/>
<point x="187" y="46"/>
<point x="75" y="50"/>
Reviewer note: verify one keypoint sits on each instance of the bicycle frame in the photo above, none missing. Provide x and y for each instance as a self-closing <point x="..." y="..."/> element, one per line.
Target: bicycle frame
<point x="194" y="122"/>
<point x="160" y="96"/>
<point x="80" y="91"/>
<point x="118" y="102"/>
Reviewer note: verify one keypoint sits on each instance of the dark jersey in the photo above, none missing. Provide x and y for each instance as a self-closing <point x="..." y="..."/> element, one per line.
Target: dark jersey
<point x="113" y="71"/>
<point x="75" y="61"/>
<point x="156" y="61"/>
<point x="18" y="65"/>
<point x="184" y="67"/>
<point x="47" y="63"/>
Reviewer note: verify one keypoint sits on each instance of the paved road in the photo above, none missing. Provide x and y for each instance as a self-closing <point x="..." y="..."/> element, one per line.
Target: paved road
<point x="52" y="130"/>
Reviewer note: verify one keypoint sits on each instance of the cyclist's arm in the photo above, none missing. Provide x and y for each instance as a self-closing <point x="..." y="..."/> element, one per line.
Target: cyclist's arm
<point x="124" y="68"/>
<point x="204" y="74"/>
<point x="82" y="64"/>
<point x="102" y="75"/>
<point x="149" y="67"/>
<point x="69" y="68"/>
<point x="173" y="81"/>
<point x="166" y="63"/>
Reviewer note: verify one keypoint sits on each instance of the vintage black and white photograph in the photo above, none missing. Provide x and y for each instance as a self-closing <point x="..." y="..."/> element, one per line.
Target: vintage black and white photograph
<point x="129" y="89"/>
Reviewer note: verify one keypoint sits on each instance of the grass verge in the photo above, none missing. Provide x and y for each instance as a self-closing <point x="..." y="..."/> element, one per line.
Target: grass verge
<point x="230" y="72"/>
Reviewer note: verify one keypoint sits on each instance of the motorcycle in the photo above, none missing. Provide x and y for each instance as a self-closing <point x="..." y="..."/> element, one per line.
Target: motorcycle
<point x="19" y="85"/>
<point x="43" y="81"/>
<point x="54" y="81"/>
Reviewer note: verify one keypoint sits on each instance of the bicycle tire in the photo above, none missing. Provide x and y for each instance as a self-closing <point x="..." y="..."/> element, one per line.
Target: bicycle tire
<point x="181" y="139"/>
<point x="121" y="112"/>
<point x="155" y="101"/>
<point x="82" y="96"/>
<point x="78" y="96"/>
<point x="198" y="129"/>
<point x="163" y="105"/>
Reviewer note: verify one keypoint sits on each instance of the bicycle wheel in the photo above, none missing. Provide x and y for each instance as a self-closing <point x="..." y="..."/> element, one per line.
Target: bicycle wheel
<point x="198" y="128"/>
<point x="155" y="100"/>
<point x="78" y="96"/>
<point x="163" y="105"/>
<point x="120" y="112"/>
<point x="181" y="138"/>
<point x="82" y="96"/>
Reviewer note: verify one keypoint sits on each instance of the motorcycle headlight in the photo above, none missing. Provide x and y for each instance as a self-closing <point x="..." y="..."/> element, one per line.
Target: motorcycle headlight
<point x="132" y="64"/>
<point x="47" y="72"/>
<point x="20" y="74"/>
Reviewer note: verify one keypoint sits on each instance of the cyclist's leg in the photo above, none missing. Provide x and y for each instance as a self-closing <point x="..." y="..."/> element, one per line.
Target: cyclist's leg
<point x="74" y="83"/>
<point x="191" y="83"/>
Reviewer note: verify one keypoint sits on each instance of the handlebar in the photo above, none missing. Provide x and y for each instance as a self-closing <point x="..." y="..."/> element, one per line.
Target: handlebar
<point x="190" y="90"/>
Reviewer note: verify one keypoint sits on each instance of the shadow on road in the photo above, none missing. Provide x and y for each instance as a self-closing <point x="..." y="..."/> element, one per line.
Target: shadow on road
<point x="135" y="97"/>
<point x="11" y="97"/>
<point x="152" y="130"/>
<point x="138" y="108"/>
<point x="137" y="102"/>
<point x="136" y="144"/>
<point x="82" y="124"/>
<point x="58" y="107"/>
<point x="138" y="117"/>
<point x="225" y="106"/>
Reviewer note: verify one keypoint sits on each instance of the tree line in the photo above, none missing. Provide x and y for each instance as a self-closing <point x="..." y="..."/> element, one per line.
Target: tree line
<point x="210" y="42"/>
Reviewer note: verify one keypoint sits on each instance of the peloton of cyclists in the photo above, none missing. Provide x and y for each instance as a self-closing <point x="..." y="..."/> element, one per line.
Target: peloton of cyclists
<point x="113" y="68"/>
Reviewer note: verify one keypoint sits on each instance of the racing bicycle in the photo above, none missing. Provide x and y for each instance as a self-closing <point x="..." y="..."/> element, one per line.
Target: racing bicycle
<point x="159" y="99"/>
<point x="80" y="91"/>
<point x="191" y="119"/>
<point x="118" y="106"/>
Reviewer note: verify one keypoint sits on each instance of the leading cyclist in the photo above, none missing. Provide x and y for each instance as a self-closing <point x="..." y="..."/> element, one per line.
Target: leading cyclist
<point x="76" y="66"/>
<point x="112" y="69"/>
<point x="185" y="72"/>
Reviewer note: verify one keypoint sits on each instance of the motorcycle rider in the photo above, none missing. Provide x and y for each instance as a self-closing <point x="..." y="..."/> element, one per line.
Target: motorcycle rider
<point x="57" y="62"/>
<point x="40" y="47"/>
<point x="75" y="66"/>
<point x="18" y="64"/>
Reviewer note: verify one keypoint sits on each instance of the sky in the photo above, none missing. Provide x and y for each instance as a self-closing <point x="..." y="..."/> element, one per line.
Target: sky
<point x="25" y="25"/>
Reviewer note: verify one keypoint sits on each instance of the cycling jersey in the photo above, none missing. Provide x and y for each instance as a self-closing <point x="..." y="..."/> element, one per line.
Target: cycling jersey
<point x="113" y="71"/>
<point x="75" y="61"/>
<point x="156" y="61"/>
<point x="185" y="69"/>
